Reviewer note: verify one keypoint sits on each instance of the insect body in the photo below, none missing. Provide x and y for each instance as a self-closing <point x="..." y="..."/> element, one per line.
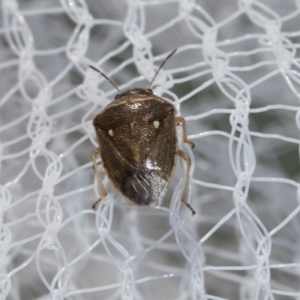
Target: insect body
<point x="138" y="144"/>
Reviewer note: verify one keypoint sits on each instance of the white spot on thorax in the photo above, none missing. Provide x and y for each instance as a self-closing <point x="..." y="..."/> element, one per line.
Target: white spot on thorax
<point x="110" y="132"/>
<point x="156" y="124"/>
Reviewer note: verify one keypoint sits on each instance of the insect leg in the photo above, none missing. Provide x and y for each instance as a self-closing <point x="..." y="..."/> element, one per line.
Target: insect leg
<point x="184" y="156"/>
<point x="181" y="121"/>
<point x="96" y="152"/>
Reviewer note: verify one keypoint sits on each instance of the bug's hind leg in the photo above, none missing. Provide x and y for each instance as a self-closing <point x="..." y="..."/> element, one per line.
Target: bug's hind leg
<point x="95" y="153"/>
<point x="184" y="156"/>
<point x="181" y="121"/>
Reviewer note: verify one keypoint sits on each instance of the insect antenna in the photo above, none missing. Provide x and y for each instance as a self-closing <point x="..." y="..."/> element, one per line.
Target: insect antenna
<point x="109" y="80"/>
<point x="161" y="65"/>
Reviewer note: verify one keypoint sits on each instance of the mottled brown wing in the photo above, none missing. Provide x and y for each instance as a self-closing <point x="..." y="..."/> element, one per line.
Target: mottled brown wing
<point x="139" y="158"/>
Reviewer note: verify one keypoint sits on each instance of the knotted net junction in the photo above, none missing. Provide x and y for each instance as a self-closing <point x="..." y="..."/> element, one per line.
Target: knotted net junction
<point x="235" y="79"/>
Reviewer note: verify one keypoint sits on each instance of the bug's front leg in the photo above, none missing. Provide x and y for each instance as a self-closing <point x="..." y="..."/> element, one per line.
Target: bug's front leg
<point x="184" y="156"/>
<point x="181" y="121"/>
<point x="95" y="153"/>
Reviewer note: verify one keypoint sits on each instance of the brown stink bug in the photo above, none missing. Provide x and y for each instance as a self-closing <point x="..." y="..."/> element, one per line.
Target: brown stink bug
<point x="138" y="144"/>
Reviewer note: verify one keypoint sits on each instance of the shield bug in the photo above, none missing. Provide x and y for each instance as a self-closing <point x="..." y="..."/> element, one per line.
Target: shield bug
<point x="138" y="144"/>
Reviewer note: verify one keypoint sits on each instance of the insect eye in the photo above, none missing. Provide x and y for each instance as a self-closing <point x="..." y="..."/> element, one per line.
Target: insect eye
<point x="117" y="96"/>
<point x="149" y="91"/>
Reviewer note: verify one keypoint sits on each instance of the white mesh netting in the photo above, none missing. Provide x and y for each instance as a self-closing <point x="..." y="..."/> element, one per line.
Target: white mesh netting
<point x="235" y="78"/>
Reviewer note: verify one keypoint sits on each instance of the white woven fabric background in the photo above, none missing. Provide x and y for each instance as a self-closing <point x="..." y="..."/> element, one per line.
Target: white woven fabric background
<point x="235" y="78"/>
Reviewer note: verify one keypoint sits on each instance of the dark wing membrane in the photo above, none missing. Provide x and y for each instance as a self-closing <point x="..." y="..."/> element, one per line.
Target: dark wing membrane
<point x="139" y="158"/>
<point x="143" y="186"/>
